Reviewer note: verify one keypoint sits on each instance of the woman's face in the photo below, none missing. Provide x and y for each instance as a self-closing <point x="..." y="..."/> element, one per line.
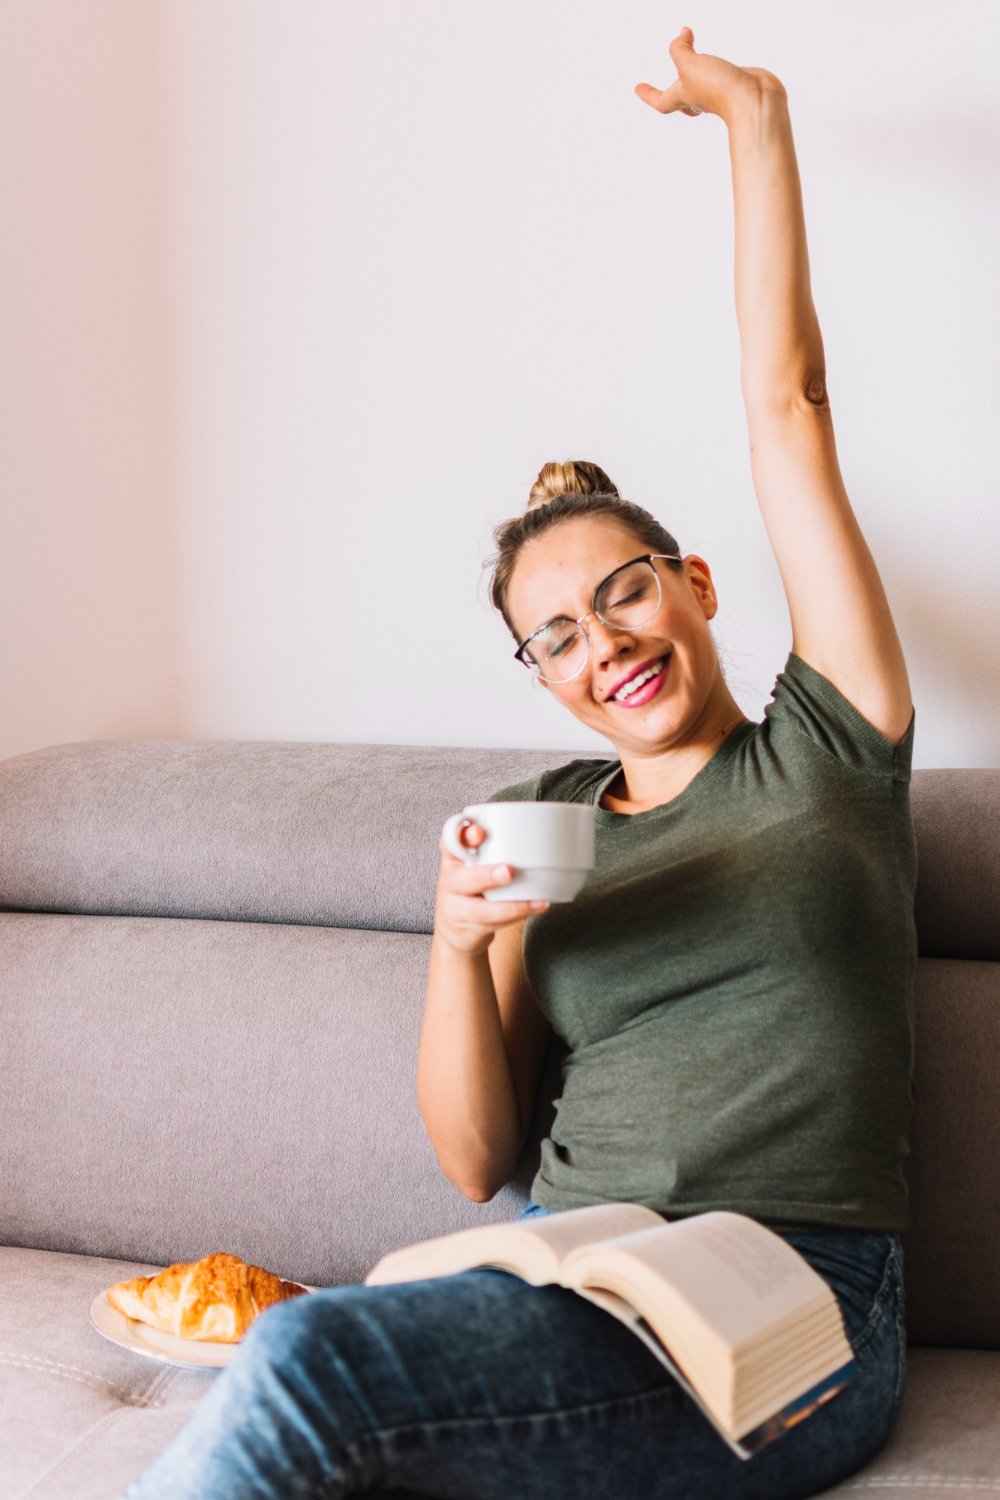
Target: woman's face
<point x="555" y="576"/>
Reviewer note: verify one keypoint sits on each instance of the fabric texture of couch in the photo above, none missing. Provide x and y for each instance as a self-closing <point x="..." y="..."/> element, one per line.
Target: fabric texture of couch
<point x="212" y="959"/>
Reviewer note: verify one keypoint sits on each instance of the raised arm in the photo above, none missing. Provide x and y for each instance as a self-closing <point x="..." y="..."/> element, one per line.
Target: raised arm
<point x="841" y="623"/>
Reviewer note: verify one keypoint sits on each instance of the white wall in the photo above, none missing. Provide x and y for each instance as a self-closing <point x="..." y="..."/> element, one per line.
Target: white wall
<point x="88" y="570"/>
<point x="417" y="249"/>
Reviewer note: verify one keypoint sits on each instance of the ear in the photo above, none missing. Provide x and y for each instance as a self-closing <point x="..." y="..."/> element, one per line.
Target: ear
<point x="699" y="578"/>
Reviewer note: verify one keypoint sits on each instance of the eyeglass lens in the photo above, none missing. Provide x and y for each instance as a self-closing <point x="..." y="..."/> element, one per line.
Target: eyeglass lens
<point x="625" y="601"/>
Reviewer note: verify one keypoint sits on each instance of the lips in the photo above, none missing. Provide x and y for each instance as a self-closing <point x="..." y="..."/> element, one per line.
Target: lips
<point x="641" y="684"/>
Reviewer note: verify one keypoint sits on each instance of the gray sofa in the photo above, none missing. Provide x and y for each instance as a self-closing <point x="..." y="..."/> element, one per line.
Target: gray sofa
<point x="211" y="970"/>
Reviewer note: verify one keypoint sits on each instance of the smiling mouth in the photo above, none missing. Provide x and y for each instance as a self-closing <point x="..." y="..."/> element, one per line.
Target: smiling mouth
<point x="635" y="684"/>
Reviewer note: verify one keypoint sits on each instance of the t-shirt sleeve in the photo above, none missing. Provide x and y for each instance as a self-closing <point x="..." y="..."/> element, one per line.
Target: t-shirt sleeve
<point x="521" y="791"/>
<point x="808" y="704"/>
<point x="571" y="783"/>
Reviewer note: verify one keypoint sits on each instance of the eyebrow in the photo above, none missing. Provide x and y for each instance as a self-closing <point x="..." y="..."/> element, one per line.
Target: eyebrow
<point x="572" y="619"/>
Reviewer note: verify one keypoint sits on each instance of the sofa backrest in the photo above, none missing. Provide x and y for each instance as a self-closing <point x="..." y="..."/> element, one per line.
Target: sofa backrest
<point x="325" y="835"/>
<point x="953" y="1269"/>
<point x="211" y="977"/>
<point x="957" y="818"/>
<point x="208" y="1042"/>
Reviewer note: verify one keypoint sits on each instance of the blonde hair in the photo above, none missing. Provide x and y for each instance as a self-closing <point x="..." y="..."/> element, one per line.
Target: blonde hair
<point x="575" y="477"/>
<point x="564" y="492"/>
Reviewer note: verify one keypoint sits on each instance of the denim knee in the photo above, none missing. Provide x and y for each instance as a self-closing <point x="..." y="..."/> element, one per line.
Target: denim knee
<point x="282" y="1333"/>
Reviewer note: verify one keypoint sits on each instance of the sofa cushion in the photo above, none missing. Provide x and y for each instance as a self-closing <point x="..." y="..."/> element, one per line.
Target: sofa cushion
<point x="173" y="1088"/>
<point x="176" y="1087"/>
<point x="947" y="1440"/>
<point x="952" y="1255"/>
<point x="82" y="1418"/>
<point x="957" y="817"/>
<point x="338" y="835"/>
<point x="297" y="833"/>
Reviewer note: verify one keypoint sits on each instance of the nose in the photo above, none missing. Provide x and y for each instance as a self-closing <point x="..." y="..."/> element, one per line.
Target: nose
<point x="607" y="645"/>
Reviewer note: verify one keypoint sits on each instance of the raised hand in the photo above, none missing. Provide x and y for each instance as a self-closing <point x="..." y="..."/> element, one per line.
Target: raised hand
<point x="707" y="85"/>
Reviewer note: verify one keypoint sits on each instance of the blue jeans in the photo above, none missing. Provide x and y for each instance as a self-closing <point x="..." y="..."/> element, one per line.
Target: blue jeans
<point x="479" y="1387"/>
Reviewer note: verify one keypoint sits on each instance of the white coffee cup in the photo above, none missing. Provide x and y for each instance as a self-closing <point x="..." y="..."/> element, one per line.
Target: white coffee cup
<point x="549" y="846"/>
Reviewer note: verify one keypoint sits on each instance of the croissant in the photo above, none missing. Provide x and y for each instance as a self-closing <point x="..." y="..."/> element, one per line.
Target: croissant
<point x="214" y="1299"/>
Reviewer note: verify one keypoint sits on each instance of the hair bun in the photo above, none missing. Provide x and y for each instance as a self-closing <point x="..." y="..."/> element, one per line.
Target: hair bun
<point x="575" y="477"/>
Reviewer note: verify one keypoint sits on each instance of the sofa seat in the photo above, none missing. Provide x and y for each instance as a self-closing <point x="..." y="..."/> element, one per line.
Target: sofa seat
<point x="946" y="1443"/>
<point x="82" y="1418"/>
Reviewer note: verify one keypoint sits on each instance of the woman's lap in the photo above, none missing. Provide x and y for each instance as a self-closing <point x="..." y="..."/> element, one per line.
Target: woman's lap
<point x="478" y="1386"/>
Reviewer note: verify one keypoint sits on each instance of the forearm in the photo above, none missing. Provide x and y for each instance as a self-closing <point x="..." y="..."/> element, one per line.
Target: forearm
<point x="782" y="348"/>
<point x="464" y="1081"/>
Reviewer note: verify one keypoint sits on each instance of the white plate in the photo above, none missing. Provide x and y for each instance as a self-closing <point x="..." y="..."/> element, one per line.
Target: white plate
<point x="142" y="1338"/>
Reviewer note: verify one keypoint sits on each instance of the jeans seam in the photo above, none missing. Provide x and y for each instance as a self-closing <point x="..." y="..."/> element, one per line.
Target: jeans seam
<point x="430" y="1428"/>
<point x="900" y="1340"/>
<point x="877" y="1312"/>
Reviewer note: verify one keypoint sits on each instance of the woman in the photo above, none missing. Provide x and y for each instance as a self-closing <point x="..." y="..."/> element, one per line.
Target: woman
<point x="733" y="983"/>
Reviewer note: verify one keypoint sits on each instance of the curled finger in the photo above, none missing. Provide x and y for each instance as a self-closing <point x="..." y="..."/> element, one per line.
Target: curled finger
<point x="503" y="913"/>
<point x="475" y="880"/>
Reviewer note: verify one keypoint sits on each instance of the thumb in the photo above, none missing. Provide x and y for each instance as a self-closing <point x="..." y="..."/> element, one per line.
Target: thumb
<point x="682" y="48"/>
<point x="664" y="100"/>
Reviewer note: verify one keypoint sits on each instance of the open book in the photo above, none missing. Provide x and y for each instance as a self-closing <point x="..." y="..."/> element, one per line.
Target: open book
<point x="746" y="1326"/>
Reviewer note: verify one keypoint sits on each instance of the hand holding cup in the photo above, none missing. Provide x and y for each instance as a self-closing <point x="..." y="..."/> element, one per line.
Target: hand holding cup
<point x="502" y="861"/>
<point x="462" y="918"/>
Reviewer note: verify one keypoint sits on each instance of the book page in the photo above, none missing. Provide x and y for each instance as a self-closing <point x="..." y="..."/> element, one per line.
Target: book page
<point x="635" y="1323"/>
<point x="566" y="1231"/>
<point x="747" y="1319"/>
<point x="741" y="1278"/>
<point x="531" y="1248"/>
<point x="761" y="1427"/>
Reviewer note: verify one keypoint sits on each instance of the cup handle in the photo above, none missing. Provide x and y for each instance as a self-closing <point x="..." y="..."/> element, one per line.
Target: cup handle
<point x="452" y="842"/>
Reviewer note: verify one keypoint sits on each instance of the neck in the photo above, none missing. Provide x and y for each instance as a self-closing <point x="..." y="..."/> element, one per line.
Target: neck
<point x="651" y="778"/>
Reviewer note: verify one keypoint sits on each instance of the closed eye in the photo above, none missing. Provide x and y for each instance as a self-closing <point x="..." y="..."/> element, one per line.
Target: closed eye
<point x="631" y="598"/>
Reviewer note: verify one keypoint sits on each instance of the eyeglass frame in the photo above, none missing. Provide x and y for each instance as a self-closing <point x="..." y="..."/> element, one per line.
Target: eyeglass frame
<point x="646" y="557"/>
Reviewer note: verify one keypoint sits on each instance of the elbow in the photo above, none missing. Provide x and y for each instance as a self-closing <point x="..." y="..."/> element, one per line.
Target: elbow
<point x="811" y="392"/>
<point x="478" y="1180"/>
<point x="802" y="397"/>
<point x="478" y="1176"/>
<point x="471" y="1157"/>
<point x="477" y="1191"/>
<point x="478" y="1186"/>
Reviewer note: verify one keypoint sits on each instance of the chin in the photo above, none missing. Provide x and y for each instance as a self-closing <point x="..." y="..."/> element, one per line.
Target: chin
<point x="654" y="729"/>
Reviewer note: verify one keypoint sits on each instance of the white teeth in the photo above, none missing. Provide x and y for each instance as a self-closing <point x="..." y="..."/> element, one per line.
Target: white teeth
<point x="635" y="683"/>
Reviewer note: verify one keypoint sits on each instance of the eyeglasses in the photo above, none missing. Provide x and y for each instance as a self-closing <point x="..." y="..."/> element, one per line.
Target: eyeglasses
<point x="627" y="599"/>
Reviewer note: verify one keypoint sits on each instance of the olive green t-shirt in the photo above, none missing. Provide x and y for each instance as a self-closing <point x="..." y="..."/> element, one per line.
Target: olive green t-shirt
<point x="734" y="982"/>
